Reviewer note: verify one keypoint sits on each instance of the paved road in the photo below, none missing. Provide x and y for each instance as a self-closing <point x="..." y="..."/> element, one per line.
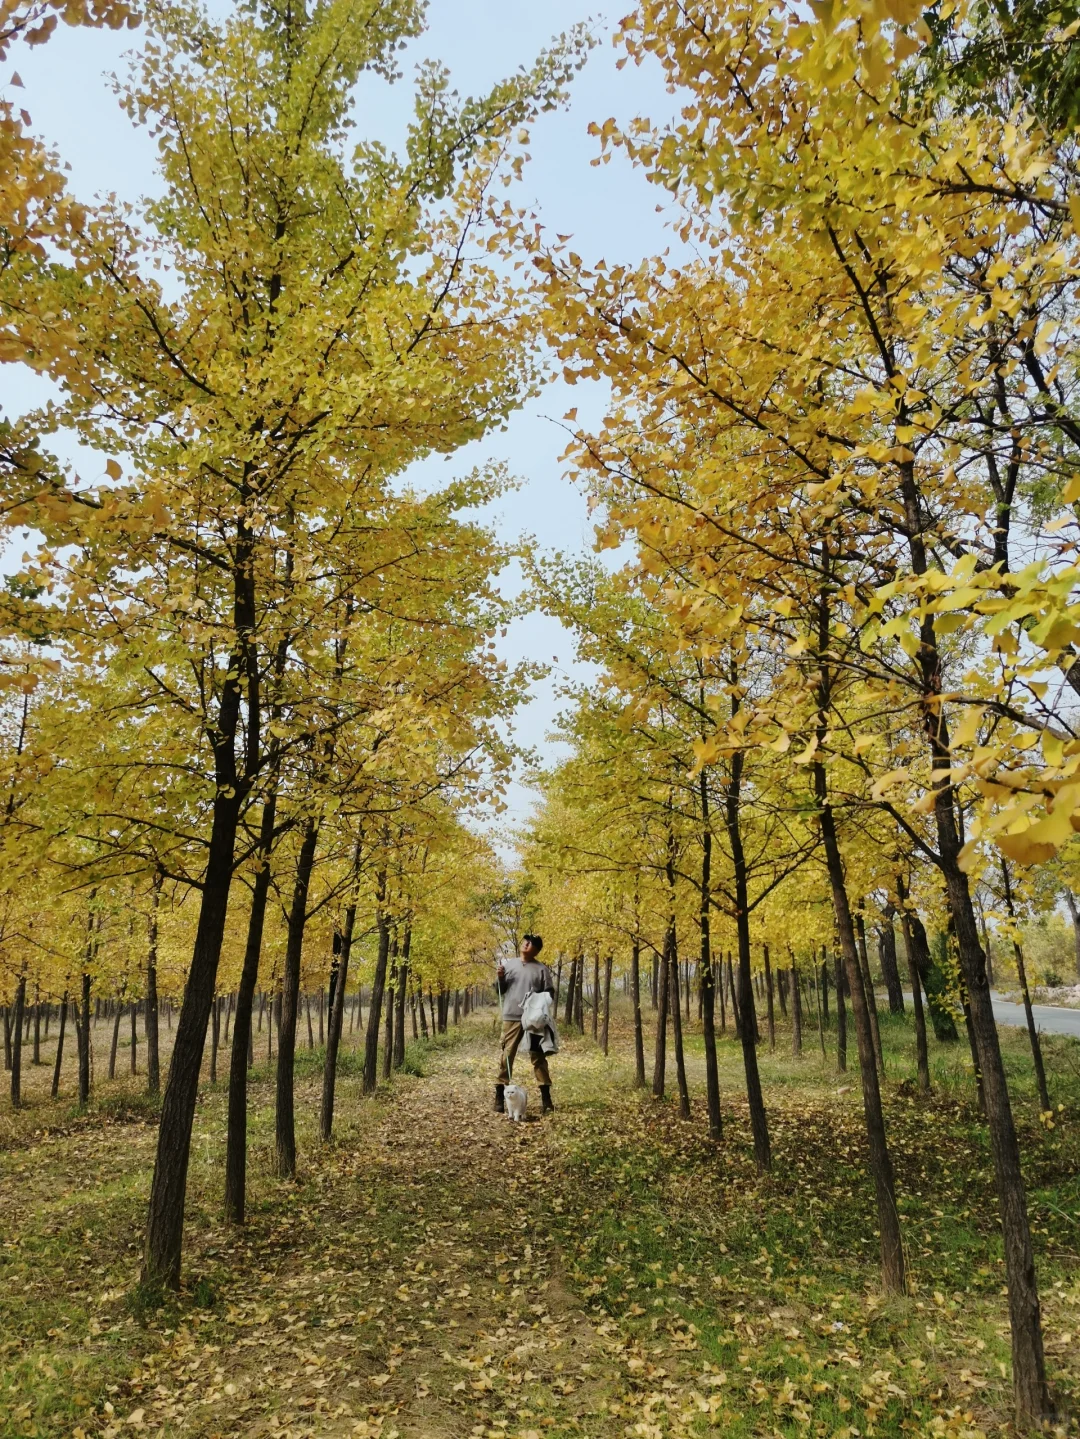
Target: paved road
<point x="1049" y="1017"/>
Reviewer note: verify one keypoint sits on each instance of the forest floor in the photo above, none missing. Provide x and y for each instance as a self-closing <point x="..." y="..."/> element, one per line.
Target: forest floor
<point x="438" y="1271"/>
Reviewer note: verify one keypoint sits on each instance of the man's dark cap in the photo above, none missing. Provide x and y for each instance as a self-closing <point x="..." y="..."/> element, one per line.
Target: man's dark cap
<point x="537" y="942"/>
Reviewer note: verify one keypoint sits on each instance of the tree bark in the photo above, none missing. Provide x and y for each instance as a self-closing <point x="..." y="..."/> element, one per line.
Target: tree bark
<point x="881" y="1170"/>
<point x="635" y="1000"/>
<point x="153" y="1050"/>
<point x="371" y="1048"/>
<point x="399" y="1015"/>
<point x="117" y="1016"/>
<point x="1074" y="915"/>
<point x="17" y="1042"/>
<point x="890" y="972"/>
<point x="596" y="995"/>
<point x="570" y="982"/>
<point x="677" y="1033"/>
<point x="608" y="963"/>
<point x="336" y="1016"/>
<point x="841" y="1017"/>
<point x="922" y="1057"/>
<point x="796" y="1012"/>
<point x="241" y="1054"/>
<point x="60" y="1046"/>
<point x="659" y="1080"/>
<point x="868" y="986"/>
<point x="284" y="1117"/>
<point x="769" y="1001"/>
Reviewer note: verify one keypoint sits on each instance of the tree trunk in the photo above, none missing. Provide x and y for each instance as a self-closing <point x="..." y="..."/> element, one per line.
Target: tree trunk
<point x="284" y="1116"/>
<point x="307" y="1017"/>
<point x="871" y="998"/>
<point x="823" y="990"/>
<point x="769" y="1001"/>
<point x="735" y="1016"/>
<point x="881" y="1170"/>
<point x="153" y="1051"/>
<point x="391" y="994"/>
<point x="608" y="963"/>
<point x="677" y="1033"/>
<point x="579" y="995"/>
<point x="242" y="1052"/>
<point x="1021" y="974"/>
<point x="371" y="1049"/>
<point x="796" y="1012"/>
<point x="17" y="1042"/>
<point x="596" y="995"/>
<point x="336" y="1017"/>
<point x="115" y="1038"/>
<point x="1074" y="915"/>
<point x="635" y="1000"/>
<point x="922" y="1058"/>
<point x="215" y="1036"/>
<point x="84" y="1039"/>
<point x="60" y="1046"/>
<point x="36" y="1054"/>
<point x="165" y="1219"/>
<point x="887" y="957"/>
<point x="402" y="985"/>
<point x="841" y="1017"/>
<point x="659" y="1079"/>
<point x="570" y="983"/>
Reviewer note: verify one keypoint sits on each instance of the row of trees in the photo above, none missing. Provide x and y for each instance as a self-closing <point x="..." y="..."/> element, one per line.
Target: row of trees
<point x="840" y="674"/>
<point x="252" y="700"/>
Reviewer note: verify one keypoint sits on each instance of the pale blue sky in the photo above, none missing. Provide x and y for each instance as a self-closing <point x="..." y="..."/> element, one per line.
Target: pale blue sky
<point x="609" y="209"/>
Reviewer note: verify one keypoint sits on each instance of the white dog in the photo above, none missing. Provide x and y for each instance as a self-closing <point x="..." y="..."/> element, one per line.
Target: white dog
<point x="515" y="1099"/>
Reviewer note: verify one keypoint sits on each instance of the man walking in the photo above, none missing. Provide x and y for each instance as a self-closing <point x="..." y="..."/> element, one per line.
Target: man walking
<point x="517" y="979"/>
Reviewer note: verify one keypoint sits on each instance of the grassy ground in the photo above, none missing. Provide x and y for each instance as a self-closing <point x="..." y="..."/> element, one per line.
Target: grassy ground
<point x="439" y="1271"/>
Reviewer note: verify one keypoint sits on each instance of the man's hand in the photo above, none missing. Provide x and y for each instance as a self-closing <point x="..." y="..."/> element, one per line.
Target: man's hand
<point x="500" y="968"/>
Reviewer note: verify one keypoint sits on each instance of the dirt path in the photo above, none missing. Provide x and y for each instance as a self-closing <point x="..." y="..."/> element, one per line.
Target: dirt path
<point x="412" y="1287"/>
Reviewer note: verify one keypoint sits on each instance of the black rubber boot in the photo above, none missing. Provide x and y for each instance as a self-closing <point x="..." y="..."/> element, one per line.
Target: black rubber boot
<point x="546" y="1106"/>
<point x="500" y="1106"/>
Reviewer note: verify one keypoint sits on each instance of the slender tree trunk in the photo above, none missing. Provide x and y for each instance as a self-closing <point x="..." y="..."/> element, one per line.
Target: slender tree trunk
<point x="336" y="1017"/>
<point x="796" y="1012"/>
<point x="841" y="1016"/>
<point x="1030" y="1392"/>
<point x="677" y="1032"/>
<point x="165" y="1221"/>
<point x="402" y="985"/>
<point x="242" y="1053"/>
<point x="391" y="994"/>
<point x="769" y="1001"/>
<point x="579" y="995"/>
<point x="17" y="1043"/>
<point x="60" y="1046"/>
<point x="153" y="1050"/>
<point x="1074" y="915"/>
<point x="84" y="1038"/>
<point x="310" y="1026"/>
<point x="371" y="1050"/>
<point x="887" y="955"/>
<point x="922" y="1057"/>
<point x="735" y="1016"/>
<point x="659" y="1079"/>
<point x="284" y="1117"/>
<point x="1021" y="974"/>
<point x="823" y="990"/>
<point x="570" y="983"/>
<point x="423" y="1015"/>
<point x="608" y="963"/>
<point x="215" y="1036"/>
<point x="596" y="995"/>
<point x="871" y="998"/>
<point x="635" y="1000"/>
<point x="118" y="1014"/>
<point x="881" y="1170"/>
<point x="36" y="1054"/>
